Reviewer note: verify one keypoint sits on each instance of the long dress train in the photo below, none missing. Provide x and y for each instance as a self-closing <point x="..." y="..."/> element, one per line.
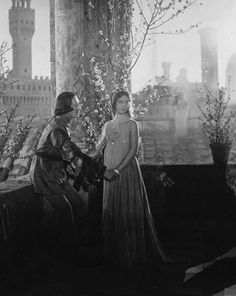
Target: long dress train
<point x="129" y="233"/>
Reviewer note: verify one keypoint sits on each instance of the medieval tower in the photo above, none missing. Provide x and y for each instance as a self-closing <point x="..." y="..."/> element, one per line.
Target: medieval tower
<point x="22" y="28"/>
<point x="33" y="95"/>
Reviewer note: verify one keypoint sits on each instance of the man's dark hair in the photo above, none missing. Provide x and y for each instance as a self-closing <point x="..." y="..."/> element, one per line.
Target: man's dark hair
<point x="64" y="103"/>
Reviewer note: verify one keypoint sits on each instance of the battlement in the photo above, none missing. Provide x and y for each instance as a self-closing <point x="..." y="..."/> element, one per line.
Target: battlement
<point x="36" y="78"/>
<point x="42" y="85"/>
<point x="23" y="19"/>
<point x="21" y="3"/>
<point x="13" y="100"/>
<point x="30" y="102"/>
<point x="21" y="13"/>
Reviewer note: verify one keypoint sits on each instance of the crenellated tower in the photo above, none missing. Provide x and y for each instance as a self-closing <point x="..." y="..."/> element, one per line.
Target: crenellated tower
<point x="22" y="28"/>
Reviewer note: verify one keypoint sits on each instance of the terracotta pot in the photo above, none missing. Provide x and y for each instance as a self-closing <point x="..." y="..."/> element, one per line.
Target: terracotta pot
<point x="220" y="152"/>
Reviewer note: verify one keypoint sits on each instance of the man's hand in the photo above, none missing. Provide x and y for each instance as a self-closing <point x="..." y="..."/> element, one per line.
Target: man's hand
<point x="110" y="175"/>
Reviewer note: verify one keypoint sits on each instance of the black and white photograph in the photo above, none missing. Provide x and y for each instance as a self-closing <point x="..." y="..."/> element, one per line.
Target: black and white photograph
<point x="118" y="148"/>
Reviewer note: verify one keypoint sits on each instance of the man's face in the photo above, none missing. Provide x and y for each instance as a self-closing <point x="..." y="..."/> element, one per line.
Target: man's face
<point x="74" y="113"/>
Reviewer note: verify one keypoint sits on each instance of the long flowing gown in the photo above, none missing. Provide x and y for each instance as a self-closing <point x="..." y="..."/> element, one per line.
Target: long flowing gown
<point x="129" y="233"/>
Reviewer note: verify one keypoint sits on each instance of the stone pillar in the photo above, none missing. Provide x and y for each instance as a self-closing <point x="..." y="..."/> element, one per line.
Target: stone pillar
<point x="52" y="54"/>
<point x="120" y="36"/>
<point x="230" y="78"/>
<point x="69" y="35"/>
<point x="75" y="39"/>
<point x="209" y="56"/>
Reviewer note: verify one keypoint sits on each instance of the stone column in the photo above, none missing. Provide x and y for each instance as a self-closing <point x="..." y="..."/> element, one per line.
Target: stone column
<point x="52" y="54"/>
<point x="75" y="38"/>
<point x="68" y="42"/>
<point x="209" y="56"/>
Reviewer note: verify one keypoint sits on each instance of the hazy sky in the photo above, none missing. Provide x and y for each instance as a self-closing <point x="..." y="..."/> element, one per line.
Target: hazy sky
<point x="180" y="50"/>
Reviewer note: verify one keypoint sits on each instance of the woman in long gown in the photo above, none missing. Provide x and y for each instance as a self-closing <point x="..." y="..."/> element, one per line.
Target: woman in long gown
<point x="129" y="234"/>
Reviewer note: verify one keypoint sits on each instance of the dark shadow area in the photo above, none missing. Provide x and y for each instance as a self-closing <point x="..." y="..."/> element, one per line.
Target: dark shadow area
<point x="195" y="220"/>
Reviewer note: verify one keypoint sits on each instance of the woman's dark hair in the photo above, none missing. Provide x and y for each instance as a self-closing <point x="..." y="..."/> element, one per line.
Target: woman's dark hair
<point x="116" y="96"/>
<point x="64" y="103"/>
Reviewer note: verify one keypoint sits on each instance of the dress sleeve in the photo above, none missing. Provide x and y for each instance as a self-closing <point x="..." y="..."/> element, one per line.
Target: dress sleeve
<point x="132" y="149"/>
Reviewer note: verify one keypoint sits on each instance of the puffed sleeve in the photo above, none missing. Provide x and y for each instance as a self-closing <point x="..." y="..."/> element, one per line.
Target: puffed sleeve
<point x="133" y="149"/>
<point x="69" y="151"/>
<point x="79" y="166"/>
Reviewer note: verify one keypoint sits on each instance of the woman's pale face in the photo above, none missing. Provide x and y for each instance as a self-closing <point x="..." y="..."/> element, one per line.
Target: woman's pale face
<point x="74" y="113"/>
<point x="122" y="105"/>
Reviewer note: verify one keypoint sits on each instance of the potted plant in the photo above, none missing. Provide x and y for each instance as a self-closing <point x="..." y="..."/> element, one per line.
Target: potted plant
<point x="216" y="123"/>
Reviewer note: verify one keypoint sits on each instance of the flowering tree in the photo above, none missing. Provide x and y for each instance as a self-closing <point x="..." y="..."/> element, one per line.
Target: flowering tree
<point x="125" y="27"/>
<point x="4" y="70"/>
<point x="215" y="123"/>
<point x="6" y="127"/>
<point x="13" y="133"/>
<point x="15" y="144"/>
<point x="5" y="117"/>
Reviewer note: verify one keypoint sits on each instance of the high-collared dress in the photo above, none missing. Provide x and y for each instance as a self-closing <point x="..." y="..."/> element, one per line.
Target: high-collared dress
<point x="129" y="233"/>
